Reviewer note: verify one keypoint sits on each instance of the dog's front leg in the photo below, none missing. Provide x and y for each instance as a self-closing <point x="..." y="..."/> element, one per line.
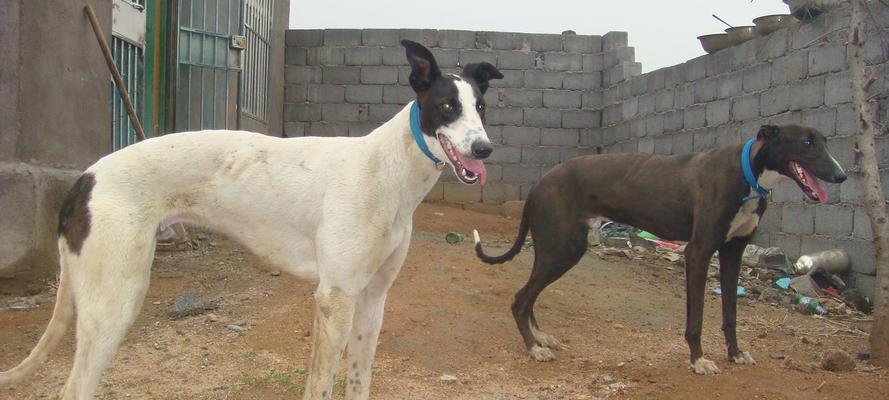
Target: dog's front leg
<point x="367" y="323"/>
<point x="697" y="261"/>
<point x="729" y="269"/>
<point x="334" y="309"/>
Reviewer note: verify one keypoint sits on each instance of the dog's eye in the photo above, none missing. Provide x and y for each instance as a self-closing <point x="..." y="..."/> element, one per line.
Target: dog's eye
<point x="446" y="107"/>
<point x="480" y="107"/>
<point x="809" y="141"/>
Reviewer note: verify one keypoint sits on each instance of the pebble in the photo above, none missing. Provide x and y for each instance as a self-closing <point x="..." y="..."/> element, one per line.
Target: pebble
<point x="236" y="328"/>
<point x="777" y="356"/>
<point x="187" y="304"/>
<point x="240" y="323"/>
<point x="448" y="378"/>
<point x="275" y="273"/>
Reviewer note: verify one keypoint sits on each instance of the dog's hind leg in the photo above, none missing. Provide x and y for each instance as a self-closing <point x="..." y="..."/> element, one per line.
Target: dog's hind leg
<point x="367" y="322"/>
<point x="729" y="268"/>
<point x="552" y="259"/>
<point x="109" y="280"/>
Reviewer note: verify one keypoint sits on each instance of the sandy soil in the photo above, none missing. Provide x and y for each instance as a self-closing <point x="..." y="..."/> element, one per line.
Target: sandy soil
<point x="621" y="320"/>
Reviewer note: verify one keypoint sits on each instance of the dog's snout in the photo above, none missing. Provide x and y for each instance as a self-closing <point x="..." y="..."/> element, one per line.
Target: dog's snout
<point x="839" y="176"/>
<point x="481" y="149"/>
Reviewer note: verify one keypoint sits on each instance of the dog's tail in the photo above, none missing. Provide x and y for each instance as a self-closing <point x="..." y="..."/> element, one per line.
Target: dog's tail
<point x="58" y="324"/>
<point x="509" y="255"/>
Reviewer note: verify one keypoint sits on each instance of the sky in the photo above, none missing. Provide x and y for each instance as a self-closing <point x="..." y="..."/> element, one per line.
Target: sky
<point x="663" y="32"/>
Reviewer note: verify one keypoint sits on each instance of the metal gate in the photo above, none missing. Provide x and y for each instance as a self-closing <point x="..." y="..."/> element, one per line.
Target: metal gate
<point x="258" y="27"/>
<point x="208" y="59"/>
<point x="128" y="50"/>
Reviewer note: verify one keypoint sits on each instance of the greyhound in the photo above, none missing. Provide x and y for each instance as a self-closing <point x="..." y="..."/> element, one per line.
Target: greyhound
<point x="713" y="200"/>
<point x="334" y="210"/>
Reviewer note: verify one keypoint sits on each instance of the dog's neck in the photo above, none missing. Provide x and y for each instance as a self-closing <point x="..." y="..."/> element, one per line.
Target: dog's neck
<point x="768" y="179"/>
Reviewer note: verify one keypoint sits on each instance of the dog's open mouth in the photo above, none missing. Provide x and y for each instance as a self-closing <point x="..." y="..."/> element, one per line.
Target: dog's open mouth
<point x="808" y="182"/>
<point x="469" y="170"/>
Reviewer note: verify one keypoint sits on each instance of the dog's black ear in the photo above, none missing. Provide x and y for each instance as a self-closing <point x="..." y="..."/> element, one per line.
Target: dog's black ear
<point x="768" y="132"/>
<point x="424" y="69"/>
<point x="481" y="73"/>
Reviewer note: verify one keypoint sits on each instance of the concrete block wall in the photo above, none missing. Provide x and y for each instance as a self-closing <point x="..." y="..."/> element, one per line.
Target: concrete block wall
<point x="797" y="75"/>
<point x="547" y="108"/>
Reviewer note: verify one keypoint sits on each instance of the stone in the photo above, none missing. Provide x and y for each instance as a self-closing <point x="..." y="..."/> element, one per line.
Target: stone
<point x="447" y="378"/>
<point x="187" y="304"/>
<point x="837" y="361"/>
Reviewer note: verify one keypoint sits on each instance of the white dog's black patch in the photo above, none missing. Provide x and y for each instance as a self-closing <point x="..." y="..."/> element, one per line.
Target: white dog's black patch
<point x="74" y="218"/>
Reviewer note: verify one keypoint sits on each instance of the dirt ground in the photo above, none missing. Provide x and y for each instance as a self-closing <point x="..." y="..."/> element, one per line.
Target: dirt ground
<point x="622" y="322"/>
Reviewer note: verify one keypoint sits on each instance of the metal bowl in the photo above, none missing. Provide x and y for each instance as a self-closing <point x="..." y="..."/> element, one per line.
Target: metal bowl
<point x="770" y="23"/>
<point x="741" y="34"/>
<point x="714" y="42"/>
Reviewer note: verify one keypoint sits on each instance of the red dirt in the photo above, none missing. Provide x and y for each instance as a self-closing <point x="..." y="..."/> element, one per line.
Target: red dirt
<point x="448" y="313"/>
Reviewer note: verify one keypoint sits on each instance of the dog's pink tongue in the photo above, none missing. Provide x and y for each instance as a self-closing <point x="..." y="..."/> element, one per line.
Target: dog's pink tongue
<point x="474" y="165"/>
<point x="815" y="185"/>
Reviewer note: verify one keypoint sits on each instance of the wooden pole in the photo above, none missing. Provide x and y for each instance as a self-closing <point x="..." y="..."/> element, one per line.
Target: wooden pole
<point x="118" y="81"/>
<point x="874" y="200"/>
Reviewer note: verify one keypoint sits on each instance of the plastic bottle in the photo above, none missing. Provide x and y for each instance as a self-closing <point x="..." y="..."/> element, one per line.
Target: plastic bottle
<point x="809" y="305"/>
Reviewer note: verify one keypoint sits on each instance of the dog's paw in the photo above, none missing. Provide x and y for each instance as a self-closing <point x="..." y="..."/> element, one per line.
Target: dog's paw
<point x="704" y="366"/>
<point x="744" y="358"/>
<point x="546" y="340"/>
<point x="542" y="353"/>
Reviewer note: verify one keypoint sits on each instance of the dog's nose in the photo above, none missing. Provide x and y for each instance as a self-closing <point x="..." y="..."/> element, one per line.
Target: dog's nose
<point x="481" y="149"/>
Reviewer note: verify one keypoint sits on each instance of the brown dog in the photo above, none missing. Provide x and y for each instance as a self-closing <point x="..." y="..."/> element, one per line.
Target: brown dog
<point x="703" y="198"/>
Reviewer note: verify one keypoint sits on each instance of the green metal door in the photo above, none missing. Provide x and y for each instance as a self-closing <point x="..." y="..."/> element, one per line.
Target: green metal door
<point x="128" y="51"/>
<point x="208" y="61"/>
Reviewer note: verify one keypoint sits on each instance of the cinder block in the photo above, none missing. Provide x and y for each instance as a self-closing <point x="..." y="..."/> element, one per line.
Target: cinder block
<point x="838" y="88"/>
<point x="790" y="243"/>
<point x="295" y="56"/>
<point x="544" y="156"/>
<point x="674" y="76"/>
<point x="638" y="85"/>
<point x="562" y="62"/>
<point x="461" y="194"/>
<point x="561" y="99"/>
<point x="846" y="120"/>
<point x="521" y="135"/>
<point x="447" y="58"/>
<point x="775" y="101"/>
<point x="499" y="193"/>
<point x="792" y="117"/>
<point x="629" y="109"/>
<point x="382" y="112"/>
<point x="771" y="219"/>
<point x="787" y="192"/>
<point x="798" y="218"/>
<point x="833" y="220"/>
<point x="612" y="114"/>
<point x="592" y="137"/>
<point x="789" y="68"/>
<point x="674" y="120"/>
<point x="843" y="149"/>
<point x="302" y="112"/>
<point x="646" y="104"/>
<point x="364" y="56"/>
<point x="594" y="62"/>
<point x="582" y="81"/>
<point x="504" y="116"/>
<point x="745" y="107"/>
<point x="861" y="252"/>
<point x="505" y="154"/>
<point x="379" y="75"/>
<point x="394" y="56"/>
<point x="295" y="93"/>
<point x="521" y="97"/>
<point x="581" y="119"/>
<point x="302" y="74"/>
<point x="366" y="93"/>
<point x="695" y="117"/>
<point x="613" y="40"/>
<point x="704" y="139"/>
<point x="514" y="59"/>
<point x="827" y="58"/>
<point x="655" y="80"/>
<point x="567" y="153"/>
<point x="718" y="112"/>
<point x="477" y="56"/>
<point x="863" y="282"/>
<point x="585" y="44"/>
<point x="757" y="77"/>
<point x="543" y="79"/>
<point x="721" y="62"/>
<point x="362" y="128"/>
<point x="695" y="69"/>
<point x="685" y="96"/>
<point x="543" y="118"/>
<point x="518" y="173"/>
<point x="637" y="129"/>
<point x="545" y="42"/>
<point x="426" y="37"/>
<point x="495" y="133"/>
<point x="663" y="144"/>
<point x="654" y="125"/>
<point x="744" y="55"/>
<point x="861" y="228"/>
<point x="807" y="93"/>
<point x="303" y="37"/>
<point x="663" y="100"/>
<point x="325" y="56"/>
<point x="339" y="112"/>
<point x="342" y="37"/>
<point x="340" y="75"/>
<point x="823" y="119"/>
<point x="327" y="129"/>
<point x="851" y="189"/>
<point x="398" y="94"/>
<point x="504" y="40"/>
<point x="559" y="137"/>
<point x="326" y="93"/>
<point x="295" y="129"/>
<point x="511" y="79"/>
<point x="730" y="85"/>
<point x="774" y="45"/>
<point x="727" y="134"/>
<point x="454" y="39"/>
<point x="621" y="54"/>
<point x="404" y="76"/>
<point x="379" y="37"/>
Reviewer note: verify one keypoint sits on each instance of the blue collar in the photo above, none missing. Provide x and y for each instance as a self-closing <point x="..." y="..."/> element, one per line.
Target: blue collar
<point x="418" y="135"/>
<point x="748" y="172"/>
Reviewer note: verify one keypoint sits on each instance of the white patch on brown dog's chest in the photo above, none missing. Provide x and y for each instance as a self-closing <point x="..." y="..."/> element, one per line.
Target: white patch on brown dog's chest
<point x="746" y="219"/>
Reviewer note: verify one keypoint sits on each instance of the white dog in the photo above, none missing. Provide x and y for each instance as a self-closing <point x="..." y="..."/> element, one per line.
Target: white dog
<point x="336" y="210"/>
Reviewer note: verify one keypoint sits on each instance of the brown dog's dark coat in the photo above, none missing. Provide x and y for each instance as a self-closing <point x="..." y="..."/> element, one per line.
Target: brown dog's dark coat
<point x="692" y="197"/>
